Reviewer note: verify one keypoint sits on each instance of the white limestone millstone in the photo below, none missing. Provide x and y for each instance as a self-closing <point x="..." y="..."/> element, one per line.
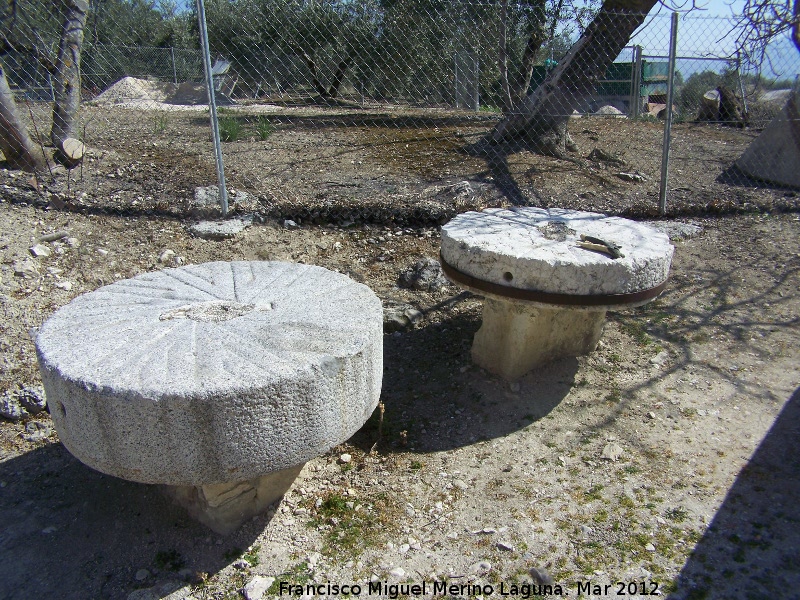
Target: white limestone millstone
<point x="536" y="249"/>
<point x="213" y="373"/>
<point x="546" y="297"/>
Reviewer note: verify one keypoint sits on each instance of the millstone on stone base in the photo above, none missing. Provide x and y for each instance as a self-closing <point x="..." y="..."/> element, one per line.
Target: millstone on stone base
<point x="217" y="380"/>
<point x="515" y="338"/>
<point x="548" y="277"/>
<point x="225" y="507"/>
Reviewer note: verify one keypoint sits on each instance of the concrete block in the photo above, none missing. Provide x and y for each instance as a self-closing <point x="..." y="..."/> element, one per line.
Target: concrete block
<point x="515" y="337"/>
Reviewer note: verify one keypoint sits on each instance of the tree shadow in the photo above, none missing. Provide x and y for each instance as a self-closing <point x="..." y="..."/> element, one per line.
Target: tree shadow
<point x="66" y="527"/>
<point x="752" y="546"/>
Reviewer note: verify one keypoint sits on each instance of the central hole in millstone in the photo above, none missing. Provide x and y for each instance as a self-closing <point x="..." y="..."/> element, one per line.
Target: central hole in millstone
<point x="212" y="311"/>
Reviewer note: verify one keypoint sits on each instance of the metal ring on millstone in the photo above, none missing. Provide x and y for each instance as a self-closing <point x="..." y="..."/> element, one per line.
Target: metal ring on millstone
<point x="505" y="291"/>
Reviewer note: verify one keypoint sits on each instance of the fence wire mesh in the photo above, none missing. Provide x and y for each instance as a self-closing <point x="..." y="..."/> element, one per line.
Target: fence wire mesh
<point x="390" y="111"/>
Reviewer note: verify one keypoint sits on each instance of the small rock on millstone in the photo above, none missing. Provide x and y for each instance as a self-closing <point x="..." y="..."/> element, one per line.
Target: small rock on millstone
<point x="257" y="587"/>
<point x="425" y="275"/>
<point x="541" y="576"/>
<point x="612" y="452"/>
<point x="32" y="399"/>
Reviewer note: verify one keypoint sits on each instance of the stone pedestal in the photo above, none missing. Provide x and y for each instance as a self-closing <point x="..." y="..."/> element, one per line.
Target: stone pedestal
<point x="225" y="506"/>
<point x="515" y="338"/>
<point x="547" y="290"/>
<point x="220" y="380"/>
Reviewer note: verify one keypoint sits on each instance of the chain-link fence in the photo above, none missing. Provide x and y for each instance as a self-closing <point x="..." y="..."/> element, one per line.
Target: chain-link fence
<point x="410" y="111"/>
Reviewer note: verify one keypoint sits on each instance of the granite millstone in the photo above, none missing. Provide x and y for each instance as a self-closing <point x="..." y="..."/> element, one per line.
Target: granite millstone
<point x="212" y="373"/>
<point x="536" y="249"/>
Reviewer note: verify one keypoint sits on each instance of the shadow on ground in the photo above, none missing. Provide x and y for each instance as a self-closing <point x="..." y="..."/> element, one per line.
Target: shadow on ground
<point x="68" y="528"/>
<point x="434" y="393"/>
<point x="752" y="547"/>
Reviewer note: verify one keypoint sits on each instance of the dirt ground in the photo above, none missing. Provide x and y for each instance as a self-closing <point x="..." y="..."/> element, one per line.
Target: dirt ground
<point x="666" y="460"/>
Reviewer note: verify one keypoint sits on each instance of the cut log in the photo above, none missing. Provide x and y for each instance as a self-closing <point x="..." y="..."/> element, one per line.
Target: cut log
<point x="70" y="153"/>
<point x="774" y="156"/>
<point x="708" y="109"/>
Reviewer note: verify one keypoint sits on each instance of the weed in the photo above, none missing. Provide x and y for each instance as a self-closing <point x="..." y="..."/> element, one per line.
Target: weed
<point x="678" y="514"/>
<point x="601" y="516"/>
<point x="169" y="560"/>
<point x="252" y="556"/>
<point x="593" y="493"/>
<point x="416" y="465"/>
<point x="264" y="128"/>
<point x="348" y="530"/>
<point x="230" y="128"/>
<point x="160" y="123"/>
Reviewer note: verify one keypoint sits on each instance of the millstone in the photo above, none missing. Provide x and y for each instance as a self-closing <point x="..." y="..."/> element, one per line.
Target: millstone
<point x="548" y="281"/>
<point x="213" y="374"/>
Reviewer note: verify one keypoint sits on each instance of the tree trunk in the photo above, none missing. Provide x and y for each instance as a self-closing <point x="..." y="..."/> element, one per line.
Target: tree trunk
<point x="341" y="71"/>
<point x="540" y="123"/>
<point x="536" y="37"/>
<point x="67" y="77"/>
<point x="15" y="142"/>
<point x="502" y="59"/>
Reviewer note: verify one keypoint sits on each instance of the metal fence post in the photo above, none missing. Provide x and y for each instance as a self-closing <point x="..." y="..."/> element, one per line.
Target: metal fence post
<point x="636" y="83"/>
<point x="212" y="105"/>
<point x="174" y="66"/>
<point x="673" y="46"/>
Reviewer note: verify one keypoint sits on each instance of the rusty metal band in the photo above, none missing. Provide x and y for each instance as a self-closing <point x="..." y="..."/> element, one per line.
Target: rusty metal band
<point x="548" y="297"/>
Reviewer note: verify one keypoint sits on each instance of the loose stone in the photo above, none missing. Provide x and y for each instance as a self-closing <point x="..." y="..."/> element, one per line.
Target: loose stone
<point x="257" y="587"/>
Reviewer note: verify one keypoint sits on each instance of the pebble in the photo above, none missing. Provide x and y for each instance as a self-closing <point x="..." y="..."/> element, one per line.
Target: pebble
<point x="650" y="548"/>
<point x="612" y="452"/>
<point x="541" y="576"/>
<point x="241" y="564"/>
<point x="141" y="575"/>
<point x="398" y="572"/>
<point x="25" y="268"/>
<point x="289" y="224"/>
<point x="425" y="275"/>
<point x="63" y="285"/>
<point x="257" y="587"/>
<point x="403" y="548"/>
<point x="345" y="458"/>
<point x="507" y="546"/>
<point x="32" y="399"/>
<point x="39" y="251"/>
<point x="660" y="358"/>
<point x="102" y="252"/>
<point x="36" y="432"/>
<point x="460" y="484"/>
<point x="10" y="408"/>
<point x="220" y="230"/>
<point x="586" y="530"/>
<point x="481" y="568"/>
<point x="166" y="256"/>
